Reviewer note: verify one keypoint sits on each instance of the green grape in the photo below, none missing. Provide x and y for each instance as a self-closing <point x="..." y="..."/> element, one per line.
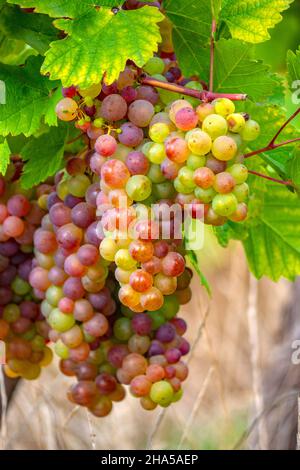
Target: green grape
<point x="108" y="249"/>
<point x="224" y="106"/>
<point x="195" y="161"/>
<point x="139" y="187"/>
<point x="241" y="192"/>
<point x="164" y="190"/>
<point x="251" y="130"/>
<point x="158" y="132"/>
<point x="180" y="188"/>
<point x="87" y="337"/>
<point x="53" y="295"/>
<point x="124" y="260"/>
<point x="78" y="185"/>
<point x="239" y="172"/>
<point x="156" y="153"/>
<point x="30" y="334"/>
<point x="177" y="395"/>
<point x="186" y="178"/>
<point x="193" y="85"/>
<point x="11" y="313"/>
<point x="236" y="122"/>
<point x="162" y="393"/>
<point x="205" y="195"/>
<point x="170" y="307"/>
<point x="38" y="343"/>
<point x="127" y="312"/>
<point x="224" y="204"/>
<point x="122" y="329"/>
<point x="215" y="126"/>
<point x="154" y="66"/>
<point x="61" y="350"/>
<point x="238" y="140"/>
<point x="158" y="318"/>
<point x="224" y="148"/>
<point x="20" y="287"/>
<point x="155" y="174"/>
<point x="92" y="91"/>
<point x="60" y="321"/>
<point x="46" y="308"/>
<point x="199" y="142"/>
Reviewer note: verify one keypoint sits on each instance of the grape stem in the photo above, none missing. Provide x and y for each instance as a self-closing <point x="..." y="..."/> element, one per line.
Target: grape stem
<point x="212" y="55"/>
<point x="275" y="180"/>
<point x="206" y="96"/>
<point x="272" y="145"/>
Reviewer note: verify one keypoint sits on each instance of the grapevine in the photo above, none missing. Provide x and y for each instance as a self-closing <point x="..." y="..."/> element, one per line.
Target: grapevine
<point x="94" y="261"/>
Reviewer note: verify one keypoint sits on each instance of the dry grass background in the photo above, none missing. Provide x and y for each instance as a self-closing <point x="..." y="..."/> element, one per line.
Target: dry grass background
<point x="221" y="394"/>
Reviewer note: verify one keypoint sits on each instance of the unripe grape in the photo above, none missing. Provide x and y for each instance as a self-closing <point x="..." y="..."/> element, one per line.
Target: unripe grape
<point x="158" y="132"/>
<point x="251" y="130"/>
<point x="195" y="161"/>
<point x="204" y="177"/>
<point x="224" y="148"/>
<point x="185" y="176"/>
<point x="186" y="119"/>
<point x="215" y="126"/>
<point x="161" y="393"/>
<point x="154" y="65"/>
<point x="225" y="204"/>
<point x="236" y="122"/>
<point x="224" y="106"/>
<point x="241" y="192"/>
<point x="156" y="153"/>
<point x="199" y="142"/>
<point x="240" y="214"/>
<point x="204" y="110"/>
<point x="224" y="183"/>
<point x="239" y="172"/>
<point x="92" y="91"/>
<point x="205" y="195"/>
<point x="78" y="185"/>
<point x="60" y="321"/>
<point x="66" y="109"/>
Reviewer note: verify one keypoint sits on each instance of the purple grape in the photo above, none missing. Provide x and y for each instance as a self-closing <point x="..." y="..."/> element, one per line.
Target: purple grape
<point x="83" y="215"/>
<point x="52" y="199"/>
<point x="173" y="355"/>
<point x="129" y="94"/>
<point x="155" y="349"/>
<point x="166" y="333"/>
<point x="137" y="163"/>
<point x="131" y="135"/>
<point x="184" y="346"/>
<point x="9" y="248"/>
<point x="141" y="324"/>
<point x="91" y="194"/>
<point x="71" y="201"/>
<point x="7" y="276"/>
<point x="94" y="234"/>
<point x="148" y="93"/>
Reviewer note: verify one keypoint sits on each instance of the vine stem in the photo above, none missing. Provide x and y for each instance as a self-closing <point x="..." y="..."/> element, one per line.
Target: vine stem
<point x="204" y="95"/>
<point x="212" y="55"/>
<point x="272" y="145"/>
<point x="275" y="180"/>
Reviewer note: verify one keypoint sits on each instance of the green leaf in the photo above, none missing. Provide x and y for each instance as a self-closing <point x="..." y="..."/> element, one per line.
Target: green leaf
<point x="4" y="156"/>
<point x="100" y="43"/>
<point x="294" y="167"/>
<point x="65" y="8"/>
<point x="43" y="155"/>
<point x="249" y="20"/>
<point x="36" y="30"/>
<point x="237" y="72"/>
<point x="13" y="51"/>
<point x="27" y="98"/>
<point x="191" y="33"/>
<point x="293" y="66"/>
<point x="273" y="242"/>
<point x="192" y="257"/>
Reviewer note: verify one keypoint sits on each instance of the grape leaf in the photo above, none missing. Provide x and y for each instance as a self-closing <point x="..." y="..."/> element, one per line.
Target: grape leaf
<point x="192" y="257"/>
<point x="237" y="72"/>
<point x="273" y="242"/>
<point x="65" y="8"/>
<point x="293" y="66"/>
<point x="4" y="156"/>
<point x="294" y="167"/>
<point x="101" y="42"/>
<point x="36" y="30"/>
<point x="43" y="155"/>
<point x="191" y="33"/>
<point x="250" y="20"/>
<point x="27" y="98"/>
<point x="13" y="51"/>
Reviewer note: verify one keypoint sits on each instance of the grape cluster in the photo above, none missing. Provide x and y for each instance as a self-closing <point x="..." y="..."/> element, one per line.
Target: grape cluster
<point x="22" y="327"/>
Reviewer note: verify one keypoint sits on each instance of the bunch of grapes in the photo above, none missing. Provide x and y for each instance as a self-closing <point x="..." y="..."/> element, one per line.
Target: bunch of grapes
<point x="22" y="327"/>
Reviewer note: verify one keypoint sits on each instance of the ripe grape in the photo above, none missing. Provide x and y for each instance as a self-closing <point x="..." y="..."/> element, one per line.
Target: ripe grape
<point x="224" y="148"/>
<point x="130" y="135"/>
<point x="113" y="108"/>
<point x="215" y="126"/>
<point x="66" y="109"/>
<point x="224" y="204"/>
<point x="199" y="142"/>
<point x="106" y="145"/>
<point x="251" y="130"/>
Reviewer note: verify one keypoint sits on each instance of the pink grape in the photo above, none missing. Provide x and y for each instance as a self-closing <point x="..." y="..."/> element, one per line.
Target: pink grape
<point x="113" y="108"/>
<point x="130" y="135"/>
<point x="106" y="145"/>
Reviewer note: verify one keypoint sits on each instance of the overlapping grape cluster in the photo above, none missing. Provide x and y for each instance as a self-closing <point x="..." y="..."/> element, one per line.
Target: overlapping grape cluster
<point x="22" y="327"/>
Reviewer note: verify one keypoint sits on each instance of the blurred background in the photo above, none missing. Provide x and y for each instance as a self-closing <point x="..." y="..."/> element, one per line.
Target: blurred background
<point x="242" y="389"/>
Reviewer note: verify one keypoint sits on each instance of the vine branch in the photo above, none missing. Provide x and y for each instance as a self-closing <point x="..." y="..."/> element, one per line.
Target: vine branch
<point x="275" y="180"/>
<point x="204" y="95"/>
<point x="272" y="145"/>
